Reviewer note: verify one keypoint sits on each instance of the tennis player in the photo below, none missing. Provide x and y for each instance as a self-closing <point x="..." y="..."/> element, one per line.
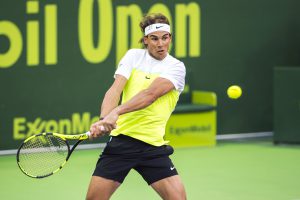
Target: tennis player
<point x="150" y="82"/>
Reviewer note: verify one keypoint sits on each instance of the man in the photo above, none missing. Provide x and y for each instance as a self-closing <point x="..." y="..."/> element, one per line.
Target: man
<point x="150" y="81"/>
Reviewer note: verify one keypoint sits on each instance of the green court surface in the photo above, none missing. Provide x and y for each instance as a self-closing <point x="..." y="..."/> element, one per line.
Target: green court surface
<point x="255" y="170"/>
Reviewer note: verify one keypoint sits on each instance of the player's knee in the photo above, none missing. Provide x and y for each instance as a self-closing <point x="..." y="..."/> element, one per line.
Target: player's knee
<point x="90" y="196"/>
<point x="95" y="196"/>
<point x="179" y="194"/>
<point x="174" y="196"/>
<point x="176" y="192"/>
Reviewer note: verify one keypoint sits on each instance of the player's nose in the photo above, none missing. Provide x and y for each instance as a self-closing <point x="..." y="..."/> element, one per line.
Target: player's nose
<point x="159" y="42"/>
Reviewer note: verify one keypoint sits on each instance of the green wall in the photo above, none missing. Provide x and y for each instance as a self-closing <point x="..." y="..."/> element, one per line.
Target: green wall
<point x="54" y="72"/>
<point x="242" y="42"/>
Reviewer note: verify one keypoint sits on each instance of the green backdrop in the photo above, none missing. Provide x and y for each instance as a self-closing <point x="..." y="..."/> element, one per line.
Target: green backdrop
<point x="57" y="58"/>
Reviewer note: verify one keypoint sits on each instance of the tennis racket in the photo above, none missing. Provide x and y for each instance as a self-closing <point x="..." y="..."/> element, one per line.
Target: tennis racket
<point x="44" y="154"/>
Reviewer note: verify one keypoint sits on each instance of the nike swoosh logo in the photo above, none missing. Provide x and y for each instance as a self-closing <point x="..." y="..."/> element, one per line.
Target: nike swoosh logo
<point x="157" y="27"/>
<point x="172" y="168"/>
<point x="147" y="77"/>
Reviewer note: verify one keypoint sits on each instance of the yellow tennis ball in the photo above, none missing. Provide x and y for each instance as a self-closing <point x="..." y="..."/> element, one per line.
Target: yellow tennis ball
<point x="234" y="92"/>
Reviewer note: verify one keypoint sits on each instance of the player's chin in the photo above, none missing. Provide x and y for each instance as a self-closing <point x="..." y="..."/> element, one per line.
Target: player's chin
<point x="161" y="54"/>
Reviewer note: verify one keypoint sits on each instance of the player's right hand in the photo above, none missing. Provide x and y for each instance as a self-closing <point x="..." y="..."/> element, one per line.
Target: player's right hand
<point x="98" y="129"/>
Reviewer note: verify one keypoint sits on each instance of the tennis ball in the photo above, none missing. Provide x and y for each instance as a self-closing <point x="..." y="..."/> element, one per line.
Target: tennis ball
<point x="234" y="92"/>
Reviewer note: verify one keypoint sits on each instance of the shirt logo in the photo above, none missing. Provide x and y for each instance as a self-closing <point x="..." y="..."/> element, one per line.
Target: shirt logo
<point x="172" y="168"/>
<point x="147" y="77"/>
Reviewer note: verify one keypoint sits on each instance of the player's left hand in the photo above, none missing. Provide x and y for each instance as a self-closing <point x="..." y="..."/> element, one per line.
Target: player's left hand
<point x="110" y="121"/>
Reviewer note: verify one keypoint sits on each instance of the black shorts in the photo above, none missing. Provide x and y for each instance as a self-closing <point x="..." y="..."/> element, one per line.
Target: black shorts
<point x="123" y="153"/>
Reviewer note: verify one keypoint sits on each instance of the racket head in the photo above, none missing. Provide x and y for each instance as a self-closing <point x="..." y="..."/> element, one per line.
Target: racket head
<point x="42" y="155"/>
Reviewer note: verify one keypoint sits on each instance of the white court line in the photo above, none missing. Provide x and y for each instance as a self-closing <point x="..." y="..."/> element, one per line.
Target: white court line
<point x="244" y="135"/>
<point x="218" y="137"/>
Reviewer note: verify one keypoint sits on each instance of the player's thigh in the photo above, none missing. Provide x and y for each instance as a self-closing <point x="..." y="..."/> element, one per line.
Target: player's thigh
<point x="170" y="188"/>
<point x="101" y="188"/>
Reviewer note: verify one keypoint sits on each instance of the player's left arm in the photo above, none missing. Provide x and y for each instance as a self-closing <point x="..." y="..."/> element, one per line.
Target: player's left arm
<point x="144" y="98"/>
<point x="158" y="88"/>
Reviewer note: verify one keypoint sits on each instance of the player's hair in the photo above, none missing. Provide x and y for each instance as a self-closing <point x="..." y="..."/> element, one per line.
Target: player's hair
<point x="149" y="19"/>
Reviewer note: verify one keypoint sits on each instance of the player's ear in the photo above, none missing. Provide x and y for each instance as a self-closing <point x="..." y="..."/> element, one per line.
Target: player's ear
<point x="145" y="39"/>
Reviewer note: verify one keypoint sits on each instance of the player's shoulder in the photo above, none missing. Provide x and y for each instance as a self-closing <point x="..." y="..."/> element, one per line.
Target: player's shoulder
<point x="174" y="61"/>
<point x="136" y="52"/>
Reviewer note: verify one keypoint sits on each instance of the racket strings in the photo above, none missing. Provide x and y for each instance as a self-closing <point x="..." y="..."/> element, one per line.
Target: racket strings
<point x="43" y="155"/>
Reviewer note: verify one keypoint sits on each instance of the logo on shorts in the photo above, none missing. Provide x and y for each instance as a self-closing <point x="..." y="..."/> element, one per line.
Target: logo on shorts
<point x="172" y="168"/>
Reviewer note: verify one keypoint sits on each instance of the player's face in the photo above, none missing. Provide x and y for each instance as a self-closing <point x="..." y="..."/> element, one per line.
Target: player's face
<point x="158" y="44"/>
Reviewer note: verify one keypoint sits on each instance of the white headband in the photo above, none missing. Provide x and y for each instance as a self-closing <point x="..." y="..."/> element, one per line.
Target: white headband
<point x="157" y="27"/>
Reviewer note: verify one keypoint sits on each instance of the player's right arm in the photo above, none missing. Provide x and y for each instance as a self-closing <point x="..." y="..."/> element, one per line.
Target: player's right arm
<point x="112" y="96"/>
<point x="110" y="101"/>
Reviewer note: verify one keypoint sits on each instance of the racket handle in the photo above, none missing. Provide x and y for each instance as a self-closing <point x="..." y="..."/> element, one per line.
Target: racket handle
<point x="101" y="128"/>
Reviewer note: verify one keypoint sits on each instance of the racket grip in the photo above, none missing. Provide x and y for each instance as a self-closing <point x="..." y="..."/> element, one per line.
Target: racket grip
<point x="101" y="128"/>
